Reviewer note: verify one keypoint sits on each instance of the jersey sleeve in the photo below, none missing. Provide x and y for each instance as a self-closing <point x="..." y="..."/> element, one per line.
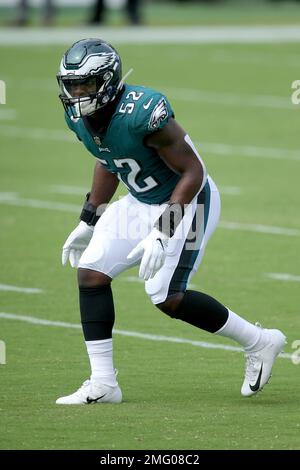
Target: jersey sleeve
<point x="153" y="114"/>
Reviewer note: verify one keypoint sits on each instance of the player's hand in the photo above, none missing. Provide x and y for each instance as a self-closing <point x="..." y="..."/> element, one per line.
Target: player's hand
<point x="153" y="252"/>
<point x="76" y="243"/>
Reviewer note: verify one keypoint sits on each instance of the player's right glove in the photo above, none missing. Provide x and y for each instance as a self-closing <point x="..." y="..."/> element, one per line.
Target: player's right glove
<point x="76" y="243"/>
<point x="79" y="239"/>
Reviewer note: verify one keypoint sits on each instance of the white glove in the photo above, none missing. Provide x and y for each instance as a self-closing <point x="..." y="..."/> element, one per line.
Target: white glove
<point x="153" y="252"/>
<point x="76" y="243"/>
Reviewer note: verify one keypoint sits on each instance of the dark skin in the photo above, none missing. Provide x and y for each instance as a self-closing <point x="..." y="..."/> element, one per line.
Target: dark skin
<point x="170" y="145"/>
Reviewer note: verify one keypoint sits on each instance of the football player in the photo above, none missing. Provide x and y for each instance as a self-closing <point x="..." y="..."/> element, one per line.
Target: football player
<point x="164" y="222"/>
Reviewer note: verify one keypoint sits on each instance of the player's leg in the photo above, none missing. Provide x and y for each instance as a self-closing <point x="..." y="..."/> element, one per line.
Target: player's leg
<point x="22" y="12"/>
<point x="97" y="12"/>
<point x="168" y="291"/>
<point x="104" y="258"/>
<point x="48" y="12"/>
<point x="132" y="8"/>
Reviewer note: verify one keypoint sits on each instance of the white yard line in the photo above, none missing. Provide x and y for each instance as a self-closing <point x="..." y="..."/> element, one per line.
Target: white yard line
<point x="230" y="190"/>
<point x="37" y="133"/>
<point x="25" y="290"/>
<point x="64" y="189"/>
<point x="259" y="58"/>
<point x="186" y="94"/>
<point x="211" y="147"/>
<point x="7" y="114"/>
<point x="189" y="95"/>
<point x="248" y="151"/>
<point x="13" y="200"/>
<point x="270" y="229"/>
<point x="154" y="35"/>
<point x="81" y="191"/>
<point x="134" y="334"/>
<point x="283" y="277"/>
<point x="132" y="279"/>
<point x="231" y="99"/>
<point x="141" y="281"/>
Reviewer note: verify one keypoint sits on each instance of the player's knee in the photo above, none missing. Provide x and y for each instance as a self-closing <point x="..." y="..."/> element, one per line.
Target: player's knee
<point x="171" y="305"/>
<point x="90" y="278"/>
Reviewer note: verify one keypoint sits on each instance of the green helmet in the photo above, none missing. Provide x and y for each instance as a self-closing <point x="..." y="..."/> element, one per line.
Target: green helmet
<point x="89" y="77"/>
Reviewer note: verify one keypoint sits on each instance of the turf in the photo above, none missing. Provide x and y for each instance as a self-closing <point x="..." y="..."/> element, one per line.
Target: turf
<point x="176" y="396"/>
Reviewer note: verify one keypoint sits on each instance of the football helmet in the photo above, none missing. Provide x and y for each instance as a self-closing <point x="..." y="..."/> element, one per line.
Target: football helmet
<point x="90" y="77"/>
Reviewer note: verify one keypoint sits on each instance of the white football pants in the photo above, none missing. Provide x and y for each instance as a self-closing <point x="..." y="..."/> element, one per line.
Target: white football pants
<point x="127" y="221"/>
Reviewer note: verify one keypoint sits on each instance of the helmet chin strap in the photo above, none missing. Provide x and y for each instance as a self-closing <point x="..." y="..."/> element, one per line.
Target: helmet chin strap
<point x="123" y="79"/>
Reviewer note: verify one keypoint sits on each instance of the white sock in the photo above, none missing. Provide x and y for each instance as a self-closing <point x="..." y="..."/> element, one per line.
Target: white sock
<point x="251" y="337"/>
<point x="101" y="359"/>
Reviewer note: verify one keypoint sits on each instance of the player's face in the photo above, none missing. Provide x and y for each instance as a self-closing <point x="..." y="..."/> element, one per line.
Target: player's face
<point x="81" y="87"/>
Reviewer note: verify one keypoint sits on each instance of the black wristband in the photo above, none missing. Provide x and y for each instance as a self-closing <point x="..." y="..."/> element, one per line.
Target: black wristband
<point x="89" y="212"/>
<point x="170" y="219"/>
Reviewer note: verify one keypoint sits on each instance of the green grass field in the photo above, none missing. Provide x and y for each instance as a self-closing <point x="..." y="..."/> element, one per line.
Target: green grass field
<point x="235" y="102"/>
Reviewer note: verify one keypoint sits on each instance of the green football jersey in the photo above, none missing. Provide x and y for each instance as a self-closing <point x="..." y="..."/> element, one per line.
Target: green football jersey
<point x="121" y="150"/>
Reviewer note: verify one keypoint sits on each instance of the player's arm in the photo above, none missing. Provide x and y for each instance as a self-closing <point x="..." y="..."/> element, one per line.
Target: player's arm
<point x="103" y="188"/>
<point x="176" y="149"/>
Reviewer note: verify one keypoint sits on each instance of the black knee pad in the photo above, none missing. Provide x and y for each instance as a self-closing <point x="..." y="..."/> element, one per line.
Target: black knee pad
<point x="197" y="309"/>
<point x="97" y="312"/>
<point x="171" y="306"/>
<point x="202" y="311"/>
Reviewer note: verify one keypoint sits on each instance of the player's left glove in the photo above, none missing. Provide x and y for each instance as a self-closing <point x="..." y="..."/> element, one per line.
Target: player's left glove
<point x="153" y="252"/>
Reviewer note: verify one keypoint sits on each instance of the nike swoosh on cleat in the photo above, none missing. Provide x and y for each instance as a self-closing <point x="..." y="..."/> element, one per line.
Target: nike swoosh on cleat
<point x="94" y="400"/>
<point x="255" y="387"/>
<point x="146" y="106"/>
